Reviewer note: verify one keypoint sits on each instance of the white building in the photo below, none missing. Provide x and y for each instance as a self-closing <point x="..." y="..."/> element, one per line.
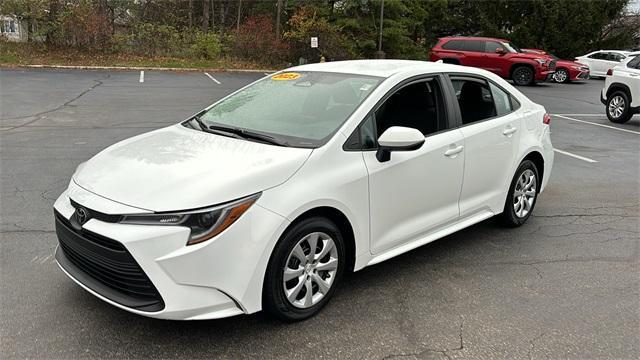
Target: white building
<point x="13" y="29"/>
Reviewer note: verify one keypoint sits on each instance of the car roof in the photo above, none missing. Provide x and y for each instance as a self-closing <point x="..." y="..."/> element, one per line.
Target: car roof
<point x="380" y="68"/>
<point x="473" y="38"/>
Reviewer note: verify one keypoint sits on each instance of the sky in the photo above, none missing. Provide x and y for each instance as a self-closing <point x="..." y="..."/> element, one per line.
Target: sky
<point x="634" y="5"/>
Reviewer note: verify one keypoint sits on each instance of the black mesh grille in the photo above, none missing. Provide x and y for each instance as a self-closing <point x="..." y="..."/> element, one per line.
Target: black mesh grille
<point x="105" y="266"/>
<point x="552" y="65"/>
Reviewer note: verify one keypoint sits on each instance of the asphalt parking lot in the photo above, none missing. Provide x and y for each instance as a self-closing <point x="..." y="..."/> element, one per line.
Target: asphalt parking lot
<point x="565" y="285"/>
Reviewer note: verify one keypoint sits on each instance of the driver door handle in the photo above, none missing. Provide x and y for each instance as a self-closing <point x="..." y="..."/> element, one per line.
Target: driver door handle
<point x="454" y="151"/>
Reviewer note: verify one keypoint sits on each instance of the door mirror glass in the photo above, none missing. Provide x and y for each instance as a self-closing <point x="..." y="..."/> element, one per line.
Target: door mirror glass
<point x="398" y="138"/>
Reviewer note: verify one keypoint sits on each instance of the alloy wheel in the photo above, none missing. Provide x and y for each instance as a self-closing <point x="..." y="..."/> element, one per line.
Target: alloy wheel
<point x="310" y="270"/>
<point x="616" y="106"/>
<point x="560" y="76"/>
<point x="522" y="76"/>
<point x="524" y="193"/>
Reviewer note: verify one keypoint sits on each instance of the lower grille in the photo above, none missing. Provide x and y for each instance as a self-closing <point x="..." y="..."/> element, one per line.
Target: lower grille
<point x="583" y="75"/>
<point x="106" y="267"/>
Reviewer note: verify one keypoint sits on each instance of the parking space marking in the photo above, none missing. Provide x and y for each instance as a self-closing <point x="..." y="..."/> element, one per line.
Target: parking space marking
<point x="596" y="124"/>
<point x="212" y="78"/>
<point x="575" y="156"/>
<point x="141" y="76"/>
<point x="580" y="114"/>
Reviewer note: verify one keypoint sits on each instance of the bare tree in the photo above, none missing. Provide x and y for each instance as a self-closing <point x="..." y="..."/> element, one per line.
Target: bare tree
<point x="239" y="12"/>
<point x="278" y="13"/>
<point x="205" y="15"/>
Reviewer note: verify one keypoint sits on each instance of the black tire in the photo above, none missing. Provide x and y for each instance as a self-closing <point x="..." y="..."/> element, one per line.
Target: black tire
<point x="626" y="114"/>
<point x="561" y="72"/>
<point x="522" y="75"/>
<point x="274" y="300"/>
<point x="509" y="217"/>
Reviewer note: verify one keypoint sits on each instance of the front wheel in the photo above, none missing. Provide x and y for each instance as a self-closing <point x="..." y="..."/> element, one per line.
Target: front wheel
<point x="618" y="109"/>
<point x="304" y="270"/>
<point x="523" y="75"/>
<point x="561" y="76"/>
<point x="522" y="196"/>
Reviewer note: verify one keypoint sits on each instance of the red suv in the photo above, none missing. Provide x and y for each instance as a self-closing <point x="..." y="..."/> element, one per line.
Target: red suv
<point x="496" y="55"/>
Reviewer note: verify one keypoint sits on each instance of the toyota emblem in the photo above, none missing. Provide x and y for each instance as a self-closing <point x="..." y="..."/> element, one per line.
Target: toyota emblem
<point x="82" y="215"/>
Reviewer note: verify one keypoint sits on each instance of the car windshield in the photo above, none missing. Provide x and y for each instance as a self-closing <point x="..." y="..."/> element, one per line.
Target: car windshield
<point x="300" y="109"/>
<point x="511" y="47"/>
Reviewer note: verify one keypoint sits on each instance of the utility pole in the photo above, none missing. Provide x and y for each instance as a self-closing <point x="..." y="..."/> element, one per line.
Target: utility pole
<point x="380" y="54"/>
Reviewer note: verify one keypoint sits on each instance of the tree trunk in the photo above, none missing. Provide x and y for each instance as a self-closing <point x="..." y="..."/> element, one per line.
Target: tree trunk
<point x="53" y="14"/>
<point x="213" y="15"/>
<point x="205" y="15"/>
<point x="190" y="13"/>
<point x="239" y="12"/>
<point x="278" y="12"/>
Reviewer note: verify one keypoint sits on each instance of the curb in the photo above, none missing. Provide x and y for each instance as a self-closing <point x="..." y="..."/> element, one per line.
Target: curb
<point x="82" y="67"/>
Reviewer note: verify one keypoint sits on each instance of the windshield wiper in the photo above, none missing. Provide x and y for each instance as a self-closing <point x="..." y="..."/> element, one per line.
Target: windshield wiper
<point x="202" y="125"/>
<point x="248" y="134"/>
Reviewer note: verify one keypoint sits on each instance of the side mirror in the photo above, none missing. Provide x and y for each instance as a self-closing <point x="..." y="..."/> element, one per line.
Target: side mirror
<point x="501" y="51"/>
<point x="398" y="138"/>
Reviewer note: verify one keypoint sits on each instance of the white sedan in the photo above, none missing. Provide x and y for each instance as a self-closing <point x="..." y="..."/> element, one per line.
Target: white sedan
<point x="601" y="61"/>
<point x="264" y="199"/>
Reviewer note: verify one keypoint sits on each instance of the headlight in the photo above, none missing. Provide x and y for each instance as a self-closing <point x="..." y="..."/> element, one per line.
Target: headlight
<point x="541" y="61"/>
<point x="204" y="223"/>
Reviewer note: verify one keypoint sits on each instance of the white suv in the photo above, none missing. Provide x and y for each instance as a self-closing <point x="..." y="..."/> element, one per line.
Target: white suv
<point x="621" y="92"/>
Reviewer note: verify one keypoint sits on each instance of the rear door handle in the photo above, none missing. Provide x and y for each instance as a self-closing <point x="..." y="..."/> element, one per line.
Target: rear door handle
<point x="509" y="131"/>
<point x="454" y="151"/>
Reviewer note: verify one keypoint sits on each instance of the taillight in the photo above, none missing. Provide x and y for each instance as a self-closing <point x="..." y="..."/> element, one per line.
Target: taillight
<point x="609" y="72"/>
<point x="546" y="119"/>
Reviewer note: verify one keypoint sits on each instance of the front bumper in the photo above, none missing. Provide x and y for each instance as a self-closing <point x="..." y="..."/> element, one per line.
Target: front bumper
<point x="544" y="75"/>
<point x="218" y="278"/>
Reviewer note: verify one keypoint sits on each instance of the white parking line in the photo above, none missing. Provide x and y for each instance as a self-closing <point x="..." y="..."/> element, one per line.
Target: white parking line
<point x="580" y="114"/>
<point x="575" y="156"/>
<point x="212" y="78"/>
<point x="596" y="124"/>
<point x="267" y="74"/>
<point x="141" y="76"/>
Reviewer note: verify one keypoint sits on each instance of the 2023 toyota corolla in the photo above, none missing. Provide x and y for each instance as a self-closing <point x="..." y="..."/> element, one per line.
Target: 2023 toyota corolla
<point x="264" y="199"/>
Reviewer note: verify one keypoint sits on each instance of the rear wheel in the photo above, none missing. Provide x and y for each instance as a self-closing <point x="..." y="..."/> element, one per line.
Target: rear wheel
<point x="561" y="76"/>
<point x="523" y="194"/>
<point x="618" y="107"/>
<point x="304" y="270"/>
<point x="522" y="75"/>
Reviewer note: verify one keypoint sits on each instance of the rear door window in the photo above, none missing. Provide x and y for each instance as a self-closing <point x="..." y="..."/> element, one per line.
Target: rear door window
<point x="453" y="45"/>
<point x="474" y="45"/>
<point x="634" y="63"/>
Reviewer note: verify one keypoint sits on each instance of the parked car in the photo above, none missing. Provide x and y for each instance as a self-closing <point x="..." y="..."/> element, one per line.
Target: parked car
<point x="496" y="55"/>
<point x="621" y="92"/>
<point x="602" y="60"/>
<point x="566" y="70"/>
<point x="264" y="199"/>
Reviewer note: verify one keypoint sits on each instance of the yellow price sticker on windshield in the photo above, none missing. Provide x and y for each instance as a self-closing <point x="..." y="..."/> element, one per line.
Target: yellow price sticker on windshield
<point x="286" y="76"/>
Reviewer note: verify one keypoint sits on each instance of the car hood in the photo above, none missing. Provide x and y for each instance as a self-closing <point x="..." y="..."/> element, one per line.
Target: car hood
<point x="569" y="63"/>
<point x="177" y="168"/>
<point x="533" y="56"/>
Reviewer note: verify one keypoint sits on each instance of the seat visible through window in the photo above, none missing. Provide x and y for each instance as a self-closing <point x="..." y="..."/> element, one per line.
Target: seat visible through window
<point x="419" y="105"/>
<point x="475" y="100"/>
